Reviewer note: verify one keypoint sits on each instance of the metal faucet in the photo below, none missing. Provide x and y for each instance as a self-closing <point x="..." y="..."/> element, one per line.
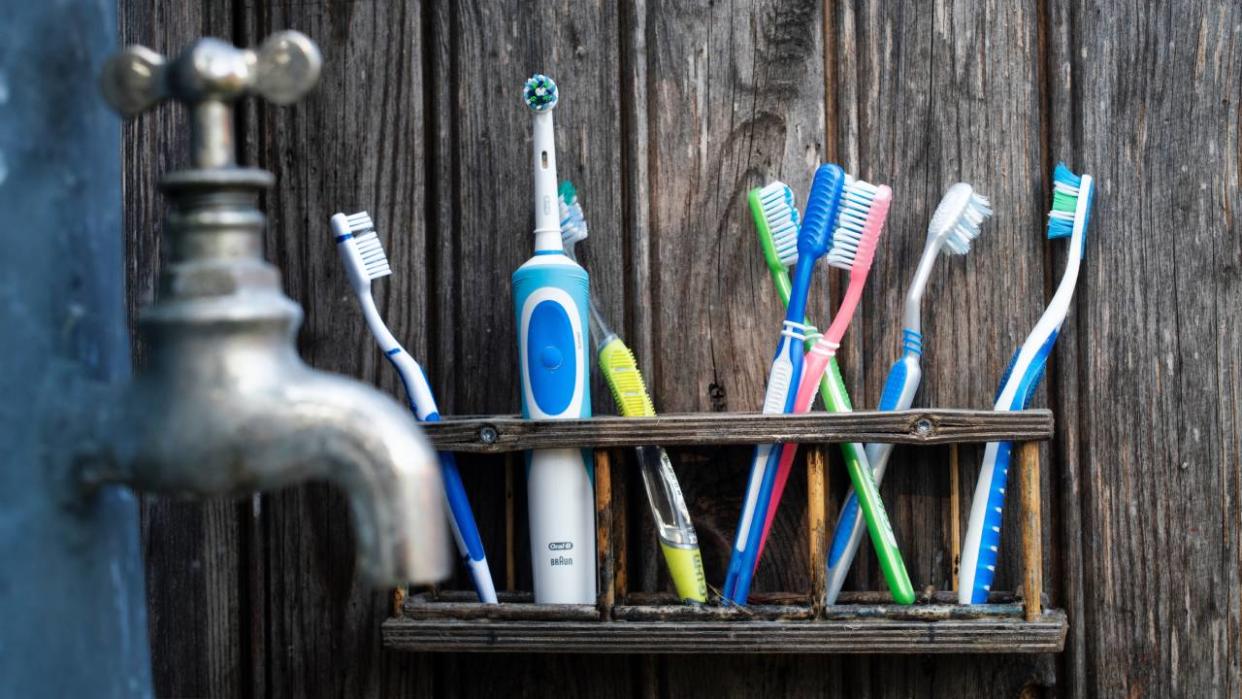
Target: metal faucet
<point x="224" y="406"/>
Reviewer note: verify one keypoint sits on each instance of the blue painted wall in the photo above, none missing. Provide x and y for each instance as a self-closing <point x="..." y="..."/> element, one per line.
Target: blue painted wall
<point x="72" y="608"/>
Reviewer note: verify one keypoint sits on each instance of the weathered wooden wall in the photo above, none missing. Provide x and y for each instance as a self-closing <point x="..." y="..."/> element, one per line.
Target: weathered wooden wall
<point x="670" y="111"/>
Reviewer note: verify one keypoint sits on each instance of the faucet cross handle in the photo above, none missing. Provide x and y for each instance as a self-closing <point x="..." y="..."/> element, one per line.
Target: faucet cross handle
<point x="209" y="76"/>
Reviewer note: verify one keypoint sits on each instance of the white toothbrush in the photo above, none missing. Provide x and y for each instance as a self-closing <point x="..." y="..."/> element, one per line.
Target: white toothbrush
<point x="364" y="260"/>
<point x="954" y="224"/>
<point x="1071" y="209"/>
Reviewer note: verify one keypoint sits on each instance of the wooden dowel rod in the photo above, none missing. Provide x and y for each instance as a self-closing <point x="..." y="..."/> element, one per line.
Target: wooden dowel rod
<point x="620" y="532"/>
<point x="398" y="601"/>
<point x="1032" y="554"/>
<point x="955" y="513"/>
<point x="817" y="523"/>
<point x="510" y="528"/>
<point x="603" y="532"/>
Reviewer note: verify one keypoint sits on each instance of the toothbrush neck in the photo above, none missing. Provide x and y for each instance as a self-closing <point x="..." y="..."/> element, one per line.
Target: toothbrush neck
<point x="796" y="309"/>
<point x="548" y="240"/>
<point x="547" y="211"/>
<point x="911" y="319"/>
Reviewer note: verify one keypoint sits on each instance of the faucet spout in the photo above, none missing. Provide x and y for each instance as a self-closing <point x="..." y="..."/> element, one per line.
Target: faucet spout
<point x="193" y="435"/>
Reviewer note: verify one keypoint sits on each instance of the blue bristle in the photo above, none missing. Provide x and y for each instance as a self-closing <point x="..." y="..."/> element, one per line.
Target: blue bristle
<point x="1067" y="188"/>
<point x="820" y="215"/>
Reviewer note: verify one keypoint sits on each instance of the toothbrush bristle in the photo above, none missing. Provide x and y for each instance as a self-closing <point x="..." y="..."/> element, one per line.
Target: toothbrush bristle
<point x="779" y="212"/>
<point x="573" y="219"/>
<point x="959" y="217"/>
<point x="360" y="221"/>
<point x="373" y="258"/>
<point x="1066" y="188"/>
<point x="374" y="261"/>
<point x="540" y="93"/>
<point x="864" y="208"/>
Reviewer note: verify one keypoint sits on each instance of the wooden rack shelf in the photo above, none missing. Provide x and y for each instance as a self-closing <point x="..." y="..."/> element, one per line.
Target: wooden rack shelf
<point x="861" y="622"/>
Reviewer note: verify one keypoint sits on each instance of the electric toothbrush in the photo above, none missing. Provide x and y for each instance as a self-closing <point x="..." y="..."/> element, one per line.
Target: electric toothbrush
<point x="551" y="301"/>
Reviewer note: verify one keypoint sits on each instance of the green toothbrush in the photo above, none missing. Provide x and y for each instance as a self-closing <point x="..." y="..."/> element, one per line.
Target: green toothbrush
<point x="779" y="249"/>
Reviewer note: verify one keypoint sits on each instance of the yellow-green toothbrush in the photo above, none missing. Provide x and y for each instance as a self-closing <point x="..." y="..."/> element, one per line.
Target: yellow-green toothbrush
<point x="668" y="508"/>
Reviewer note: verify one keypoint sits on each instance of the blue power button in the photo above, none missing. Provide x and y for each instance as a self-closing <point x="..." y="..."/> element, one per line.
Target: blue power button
<point x="550" y="357"/>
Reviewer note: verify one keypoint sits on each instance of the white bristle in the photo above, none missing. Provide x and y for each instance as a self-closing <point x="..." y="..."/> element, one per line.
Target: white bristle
<point x="360" y="221"/>
<point x="958" y="218"/>
<point x="856" y="200"/>
<point x="782" y="218"/>
<point x="573" y="224"/>
<point x="373" y="258"/>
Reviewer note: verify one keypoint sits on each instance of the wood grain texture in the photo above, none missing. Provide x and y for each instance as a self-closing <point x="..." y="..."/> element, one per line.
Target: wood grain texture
<point x="928" y="95"/>
<point x="195" y="552"/>
<point x="504" y="433"/>
<point x="672" y="110"/>
<point x="733" y="97"/>
<point x="356" y="142"/>
<point x="852" y="636"/>
<point x="1157" y="392"/>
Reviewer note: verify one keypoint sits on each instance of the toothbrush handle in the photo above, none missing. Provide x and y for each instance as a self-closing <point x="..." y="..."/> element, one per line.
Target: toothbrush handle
<point x="785" y="371"/>
<point x="465" y="530"/>
<point x="899" y="389"/>
<point x="833" y="394"/>
<point x="832" y="388"/>
<point x="882" y="538"/>
<point x="668" y="507"/>
<point x="982" y="543"/>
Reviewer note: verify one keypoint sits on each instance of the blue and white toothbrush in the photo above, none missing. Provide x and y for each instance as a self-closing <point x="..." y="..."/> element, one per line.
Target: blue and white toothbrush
<point x="1071" y="209"/>
<point x="954" y="224"/>
<point x="551" y="301"/>
<point x="364" y="260"/>
<point x="814" y="237"/>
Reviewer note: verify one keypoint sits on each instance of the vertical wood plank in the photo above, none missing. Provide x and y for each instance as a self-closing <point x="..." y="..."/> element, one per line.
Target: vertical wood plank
<point x="955" y="514"/>
<point x="356" y="142"/>
<point x="928" y="95"/>
<point x="195" y="551"/>
<point x="1156" y="332"/>
<point x="606" y="560"/>
<point x="510" y="524"/>
<point x="620" y="527"/>
<point x="734" y="99"/>
<point x="817" y="523"/>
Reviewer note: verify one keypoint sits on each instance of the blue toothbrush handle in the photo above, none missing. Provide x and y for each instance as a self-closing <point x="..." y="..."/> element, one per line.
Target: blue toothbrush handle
<point x="996" y="460"/>
<point x="465" y="530"/>
<point x="899" y="388"/>
<point x="742" y="565"/>
<point x="989" y="541"/>
<point x="783" y="377"/>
